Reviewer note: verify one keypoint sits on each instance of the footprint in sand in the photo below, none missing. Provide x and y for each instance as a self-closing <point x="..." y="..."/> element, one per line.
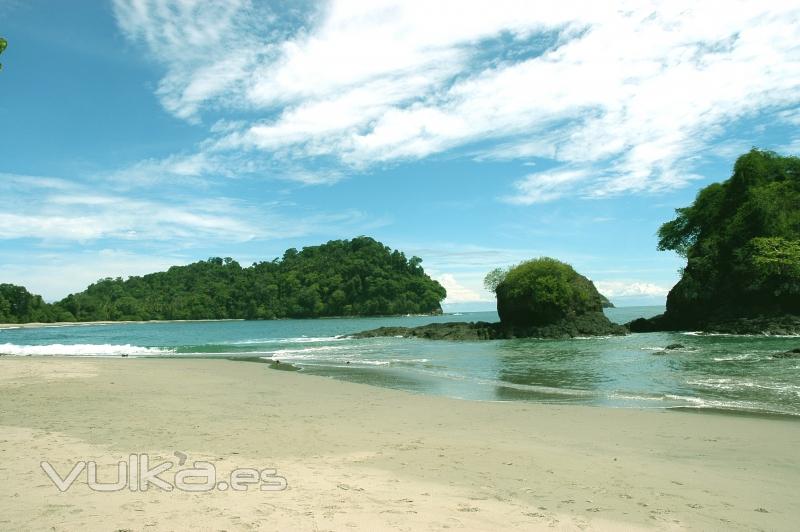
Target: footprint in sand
<point x="535" y="514"/>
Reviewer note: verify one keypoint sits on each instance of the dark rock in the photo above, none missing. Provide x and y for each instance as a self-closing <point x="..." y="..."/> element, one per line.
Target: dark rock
<point x="656" y="323"/>
<point x="439" y="331"/>
<point x="792" y="353"/>
<point x="283" y="367"/>
<point x="674" y="346"/>
<point x="781" y="325"/>
<point x="591" y="324"/>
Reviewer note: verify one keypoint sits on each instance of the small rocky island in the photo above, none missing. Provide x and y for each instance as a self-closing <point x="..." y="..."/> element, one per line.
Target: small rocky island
<point x="540" y="298"/>
<point x="741" y="240"/>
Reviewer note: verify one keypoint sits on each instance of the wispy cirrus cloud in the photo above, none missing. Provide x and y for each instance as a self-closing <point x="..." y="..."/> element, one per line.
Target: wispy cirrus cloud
<point x="59" y="210"/>
<point x="545" y="186"/>
<point x="622" y="99"/>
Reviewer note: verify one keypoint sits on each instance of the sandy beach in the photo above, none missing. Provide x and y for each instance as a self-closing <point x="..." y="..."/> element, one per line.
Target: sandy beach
<point x="361" y="457"/>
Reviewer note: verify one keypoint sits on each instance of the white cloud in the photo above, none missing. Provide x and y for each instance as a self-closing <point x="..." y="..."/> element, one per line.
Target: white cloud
<point x="545" y="186"/>
<point x="57" y="210"/>
<point x="626" y="97"/>
<point x="456" y="292"/>
<point x="613" y="289"/>
<point x="793" y="148"/>
<point x="206" y="46"/>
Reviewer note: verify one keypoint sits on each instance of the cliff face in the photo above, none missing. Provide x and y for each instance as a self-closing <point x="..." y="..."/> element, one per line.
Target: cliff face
<point x="741" y="240"/>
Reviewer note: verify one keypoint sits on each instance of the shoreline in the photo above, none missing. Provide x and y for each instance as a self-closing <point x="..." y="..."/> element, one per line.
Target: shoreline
<point x="372" y="458"/>
<point x="39" y="325"/>
<point x="290" y="367"/>
<point x="36" y="325"/>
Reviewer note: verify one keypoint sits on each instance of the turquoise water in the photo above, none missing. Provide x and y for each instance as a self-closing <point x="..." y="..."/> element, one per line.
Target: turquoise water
<point x="713" y="371"/>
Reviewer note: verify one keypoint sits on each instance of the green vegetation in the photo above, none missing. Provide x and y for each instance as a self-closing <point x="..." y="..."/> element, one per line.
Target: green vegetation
<point x="493" y="279"/>
<point x="741" y="239"/>
<point x="3" y="45"/>
<point x="542" y="291"/>
<point x="358" y="277"/>
<point x="606" y="302"/>
<point x="540" y="298"/>
<point x="17" y="305"/>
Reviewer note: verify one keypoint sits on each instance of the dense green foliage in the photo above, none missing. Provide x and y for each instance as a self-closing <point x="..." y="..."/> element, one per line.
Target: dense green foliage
<point x="3" y="44"/>
<point x="542" y="291"/>
<point x="741" y="239"/>
<point x="493" y="279"/>
<point x="358" y="277"/>
<point x="17" y="305"/>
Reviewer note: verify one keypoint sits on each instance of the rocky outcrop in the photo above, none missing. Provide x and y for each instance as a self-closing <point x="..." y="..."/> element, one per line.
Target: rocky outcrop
<point x="792" y="353"/>
<point x="592" y="324"/>
<point x="741" y="240"/>
<point x="761" y="325"/>
<point x="541" y="298"/>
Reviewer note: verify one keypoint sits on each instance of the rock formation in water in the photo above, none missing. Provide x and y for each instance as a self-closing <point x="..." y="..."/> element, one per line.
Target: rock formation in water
<point x="541" y="298"/>
<point x="741" y="240"/>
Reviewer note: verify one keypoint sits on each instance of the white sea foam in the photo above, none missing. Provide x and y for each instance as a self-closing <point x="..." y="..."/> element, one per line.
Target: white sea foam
<point x="307" y="351"/>
<point x="760" y="335"/>
<point x="733" y="385"/>
<point x="297" y="340"/>
<point x="732" y="358"/>
<point x="83" y="350"/>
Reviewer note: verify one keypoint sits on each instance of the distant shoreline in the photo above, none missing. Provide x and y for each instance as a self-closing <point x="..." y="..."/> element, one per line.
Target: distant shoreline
<point x="34" y="325"/>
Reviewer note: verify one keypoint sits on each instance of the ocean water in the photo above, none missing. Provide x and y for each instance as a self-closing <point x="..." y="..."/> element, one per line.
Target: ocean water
<point x="735" y="373"/>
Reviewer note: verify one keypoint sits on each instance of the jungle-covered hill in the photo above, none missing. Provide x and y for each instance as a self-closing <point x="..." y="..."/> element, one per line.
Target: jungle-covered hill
<point x="741" y="240"/>
<point x="358" y="277"/>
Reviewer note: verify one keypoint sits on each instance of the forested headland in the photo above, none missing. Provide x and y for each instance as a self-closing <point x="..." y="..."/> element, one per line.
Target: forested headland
<point x="358" y="277"/>
<point x="741" y="240"/>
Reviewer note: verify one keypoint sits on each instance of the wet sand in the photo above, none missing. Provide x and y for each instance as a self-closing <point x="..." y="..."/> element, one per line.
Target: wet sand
<point x="362" y="457"/>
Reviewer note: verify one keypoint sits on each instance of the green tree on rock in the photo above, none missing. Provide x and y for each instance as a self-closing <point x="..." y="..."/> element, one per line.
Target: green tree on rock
<point x="741" y="240"/>
<point x="543" y="291"/>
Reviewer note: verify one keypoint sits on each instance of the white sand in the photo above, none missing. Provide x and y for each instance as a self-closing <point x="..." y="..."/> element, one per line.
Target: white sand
<point x="360" y="457"/>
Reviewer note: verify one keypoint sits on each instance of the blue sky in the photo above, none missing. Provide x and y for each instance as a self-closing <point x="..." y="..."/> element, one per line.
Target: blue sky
<point x="139" y="134"/>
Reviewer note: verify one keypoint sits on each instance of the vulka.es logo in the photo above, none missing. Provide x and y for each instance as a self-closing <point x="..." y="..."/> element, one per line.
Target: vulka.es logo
<point x="135" y="474"/>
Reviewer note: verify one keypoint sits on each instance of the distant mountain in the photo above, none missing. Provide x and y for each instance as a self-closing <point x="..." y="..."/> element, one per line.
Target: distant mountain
<point x="358" y="277"/>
